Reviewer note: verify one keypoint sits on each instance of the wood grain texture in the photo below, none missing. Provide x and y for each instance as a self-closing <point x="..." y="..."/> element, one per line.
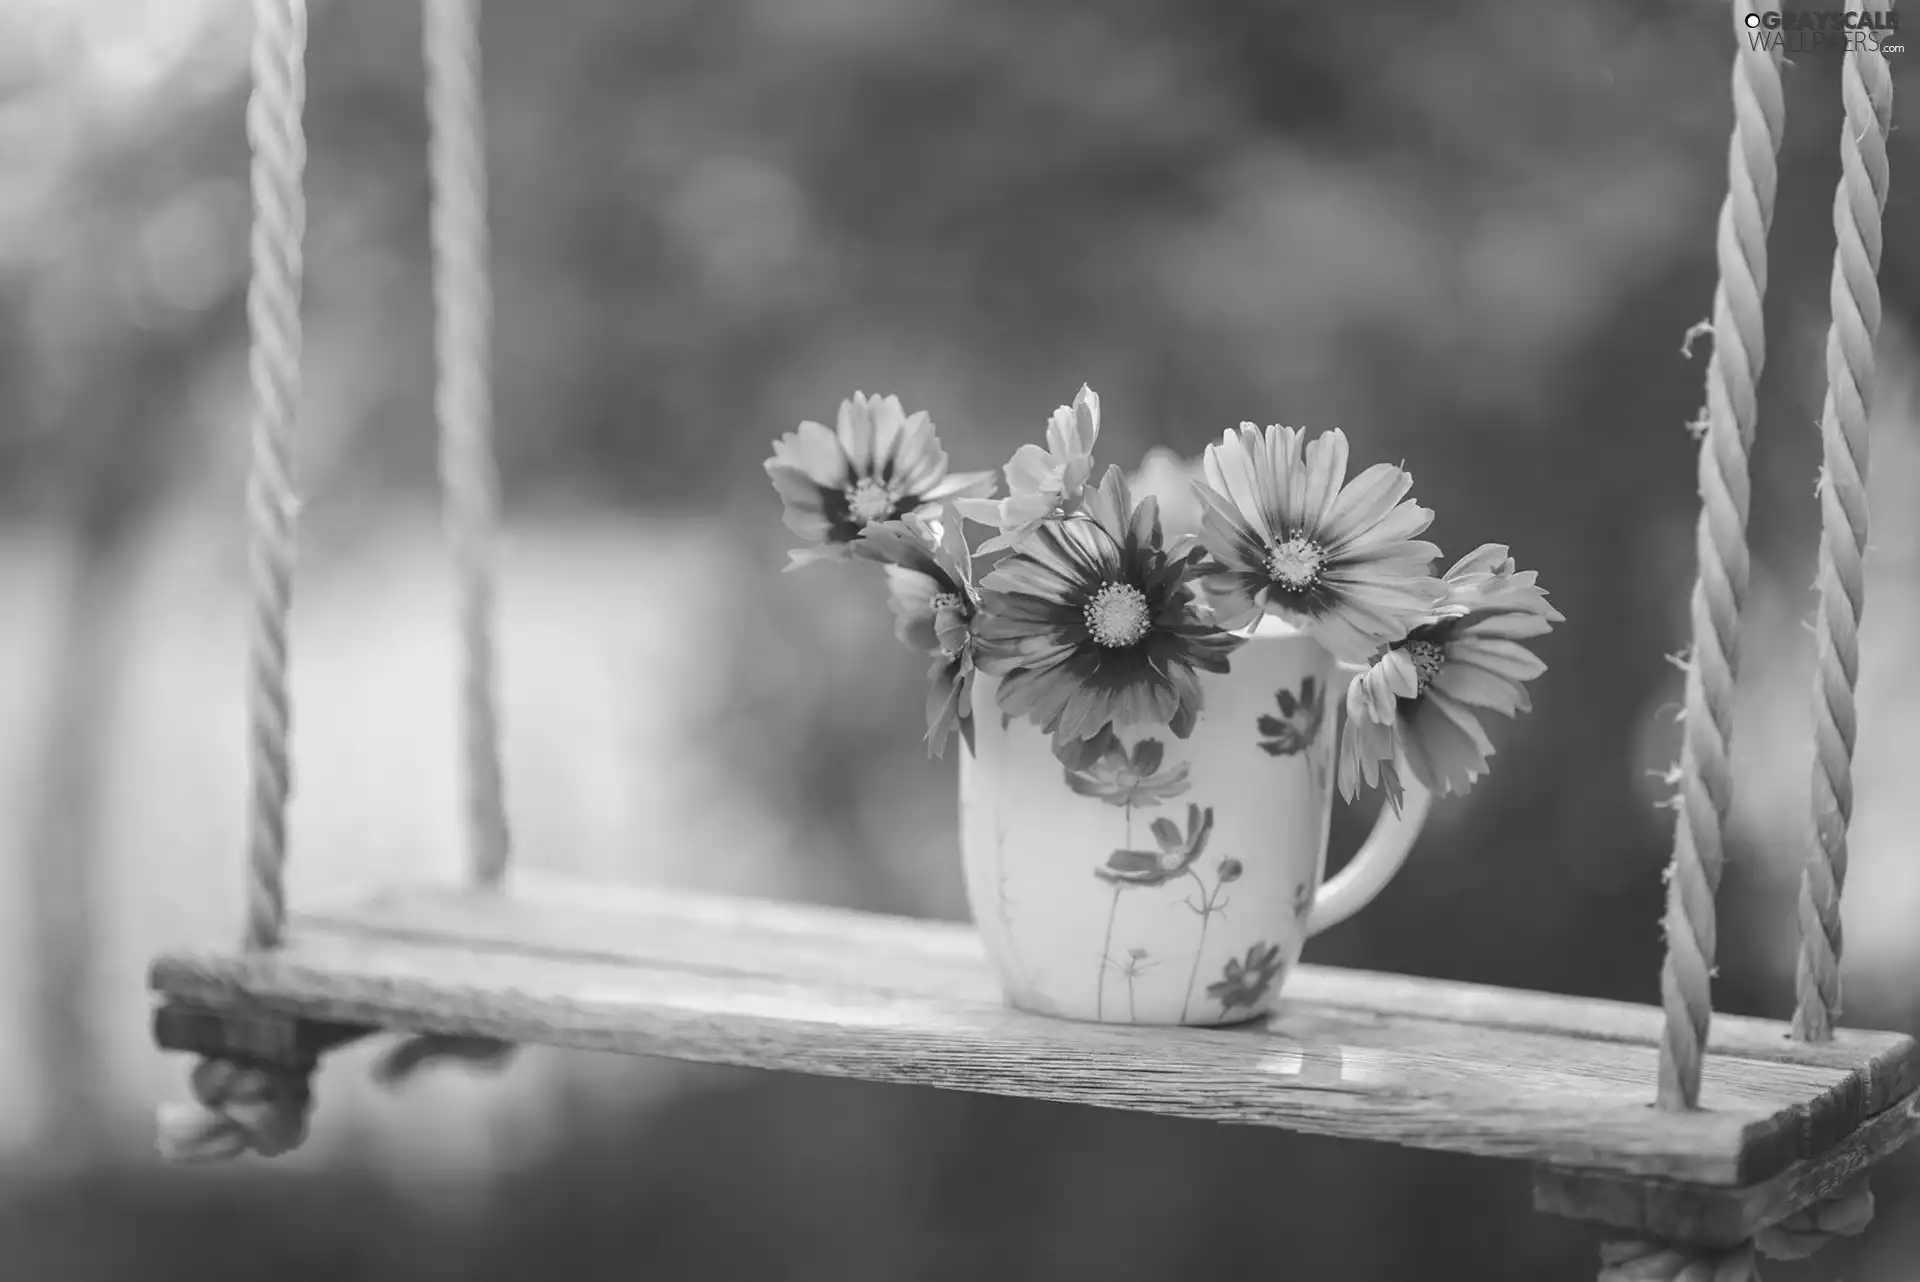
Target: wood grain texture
<point x="1559" y="1081"/>
<point x="1663" y="1209"/>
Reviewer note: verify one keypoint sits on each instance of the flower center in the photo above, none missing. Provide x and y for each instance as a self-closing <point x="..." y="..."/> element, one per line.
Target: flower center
<point x="1117" y="615"/>
<point x="868" y="500"/>
<point x="945" y="601"/>
<point x="1427" y="661"/>
<point x="1296" y="564"/>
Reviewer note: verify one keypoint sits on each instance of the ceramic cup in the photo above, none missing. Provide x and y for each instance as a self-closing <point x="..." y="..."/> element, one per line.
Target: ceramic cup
<point x="1172" y="881"/>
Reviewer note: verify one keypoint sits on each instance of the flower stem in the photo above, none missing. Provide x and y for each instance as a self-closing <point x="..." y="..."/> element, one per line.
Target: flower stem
<point x="1206" y="915"/>
<point x="1106" y="946"/>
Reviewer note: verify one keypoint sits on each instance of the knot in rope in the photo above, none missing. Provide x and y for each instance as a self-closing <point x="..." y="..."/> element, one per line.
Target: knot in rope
<point x="1846" y="1213"/>
<point x="240" y="1108"/>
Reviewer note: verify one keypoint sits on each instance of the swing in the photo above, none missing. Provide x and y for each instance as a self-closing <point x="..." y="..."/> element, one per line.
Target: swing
<point x="1759" y="1135"/>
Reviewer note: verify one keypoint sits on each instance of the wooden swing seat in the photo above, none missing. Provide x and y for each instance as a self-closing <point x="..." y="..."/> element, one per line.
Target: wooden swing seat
<point x="1560" y="1082"/>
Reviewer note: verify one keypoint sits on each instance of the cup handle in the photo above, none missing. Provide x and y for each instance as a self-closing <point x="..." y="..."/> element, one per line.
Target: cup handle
<point x="1369" y="871"/>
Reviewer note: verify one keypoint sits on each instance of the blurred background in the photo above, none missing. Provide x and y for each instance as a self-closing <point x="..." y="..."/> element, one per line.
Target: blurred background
<point x="1472" y="235"/>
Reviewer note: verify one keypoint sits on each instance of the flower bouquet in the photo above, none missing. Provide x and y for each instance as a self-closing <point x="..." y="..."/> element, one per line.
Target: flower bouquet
<point x="1139" y="670"/>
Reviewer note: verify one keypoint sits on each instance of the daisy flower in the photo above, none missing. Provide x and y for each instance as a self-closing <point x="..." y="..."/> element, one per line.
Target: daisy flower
<point x="877" y="464"/>
<point x="1091" y="626"/>
<point x="1043" y="483"/>
<point x="1421" y="701"/>
<point x="1291" y="536"/>
<point x="930" y="591"/>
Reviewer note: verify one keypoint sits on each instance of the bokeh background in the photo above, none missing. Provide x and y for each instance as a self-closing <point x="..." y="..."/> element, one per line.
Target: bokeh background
<point x="1471" y="234"/>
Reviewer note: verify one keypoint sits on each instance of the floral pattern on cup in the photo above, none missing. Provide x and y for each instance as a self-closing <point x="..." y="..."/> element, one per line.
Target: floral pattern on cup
<point x="1210" y="903"/>
<point x="1299" y="722"/>
<point x="1109" y="772"/>
<point x="1179" y="849"/>
<point x="1245" y="981"/>
<point x="1203" y="851"/>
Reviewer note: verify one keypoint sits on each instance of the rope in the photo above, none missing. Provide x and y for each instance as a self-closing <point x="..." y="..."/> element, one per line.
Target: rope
<point x="1866" y="89"/>
<point x="463" y="315"/>
<point x="273" y="317"/>
<point x="1845" y="1214"/>
<point x="463" y="404"/>
<point x="240" y="1108"/>
<point x="1705" y="780"/>
<point x="406" y="1059"/>
<point x="1859" y="202"/>
<point x="1654" y="1262"/>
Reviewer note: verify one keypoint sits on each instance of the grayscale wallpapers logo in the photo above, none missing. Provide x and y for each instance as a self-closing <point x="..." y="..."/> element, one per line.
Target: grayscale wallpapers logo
<point x="1789" y="31"/>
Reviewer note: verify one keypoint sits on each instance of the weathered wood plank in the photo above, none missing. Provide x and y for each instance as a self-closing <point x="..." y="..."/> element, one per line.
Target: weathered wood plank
<point x="1663" y="1209"/>
<point x="838" y="993"/>
<point x="1498" y="1094"/>
<point x="721" y="935"/>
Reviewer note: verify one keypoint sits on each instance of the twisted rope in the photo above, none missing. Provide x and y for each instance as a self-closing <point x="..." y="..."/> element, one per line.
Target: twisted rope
<point x="1866" y="89"/>
<point x="241" y="1107"/>
<point x="1705" y="781"/>
<point x="273" y="317"/>
<point x="463" y="317"/>
<point x="463" y="404"/>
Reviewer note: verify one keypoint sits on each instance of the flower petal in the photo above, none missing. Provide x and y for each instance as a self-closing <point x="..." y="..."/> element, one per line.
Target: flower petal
<point x="1482" y="689"/>
<point x="1513" y="625"/>
<point x="802" y="503"/>
<point x="1388" y="536"/>
<point x="1465" y="718"/>
<point x="1349" y="633"/>
<point x="1283" y="479"/>
<point x="1485" y="559"/>
<point x="954" y="485"/>
<point x="1363" y="503"/>
<point x="1231" y="470"/>
<point x="855" y="430"/>
<point x="1074" y="428"/>
<point x="1326" y="472"/>
<point x="948" y="706"/>
<point x="1444" y="755"/>
<point x="1507" y="658"/>
<point x="818" y="554"/>
<point x="814" y="451"/>
<point x="906" y="449"/>
<point x="1228" y="534"/>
